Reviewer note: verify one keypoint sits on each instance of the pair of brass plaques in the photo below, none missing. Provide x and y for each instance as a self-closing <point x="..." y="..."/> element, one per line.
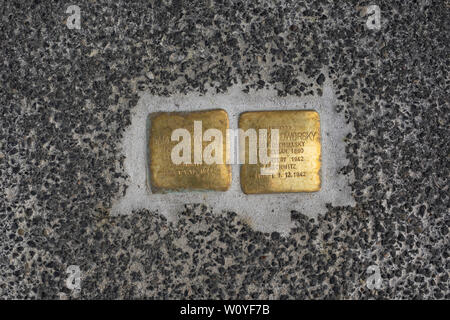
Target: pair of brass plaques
<point x="299" y="151"/>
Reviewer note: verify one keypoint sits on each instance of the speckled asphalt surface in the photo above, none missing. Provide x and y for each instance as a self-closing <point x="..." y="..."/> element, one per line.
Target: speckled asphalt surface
<point x="66" y="98"/>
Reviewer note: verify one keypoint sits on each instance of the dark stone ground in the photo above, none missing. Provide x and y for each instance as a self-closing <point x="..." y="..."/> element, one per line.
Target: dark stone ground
<point x="66" y="97"/>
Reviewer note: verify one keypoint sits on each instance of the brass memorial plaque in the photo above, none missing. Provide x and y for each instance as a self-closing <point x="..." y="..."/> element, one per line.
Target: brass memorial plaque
<point x="299" y="159"/>
<point x="191" y="146"/>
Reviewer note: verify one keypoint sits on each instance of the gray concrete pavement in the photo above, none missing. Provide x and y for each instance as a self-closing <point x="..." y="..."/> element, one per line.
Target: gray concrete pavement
<point x="67" y="98"/>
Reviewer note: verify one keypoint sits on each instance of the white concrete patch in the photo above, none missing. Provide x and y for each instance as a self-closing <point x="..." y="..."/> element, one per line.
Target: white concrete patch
<point x="266" y="212"/>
